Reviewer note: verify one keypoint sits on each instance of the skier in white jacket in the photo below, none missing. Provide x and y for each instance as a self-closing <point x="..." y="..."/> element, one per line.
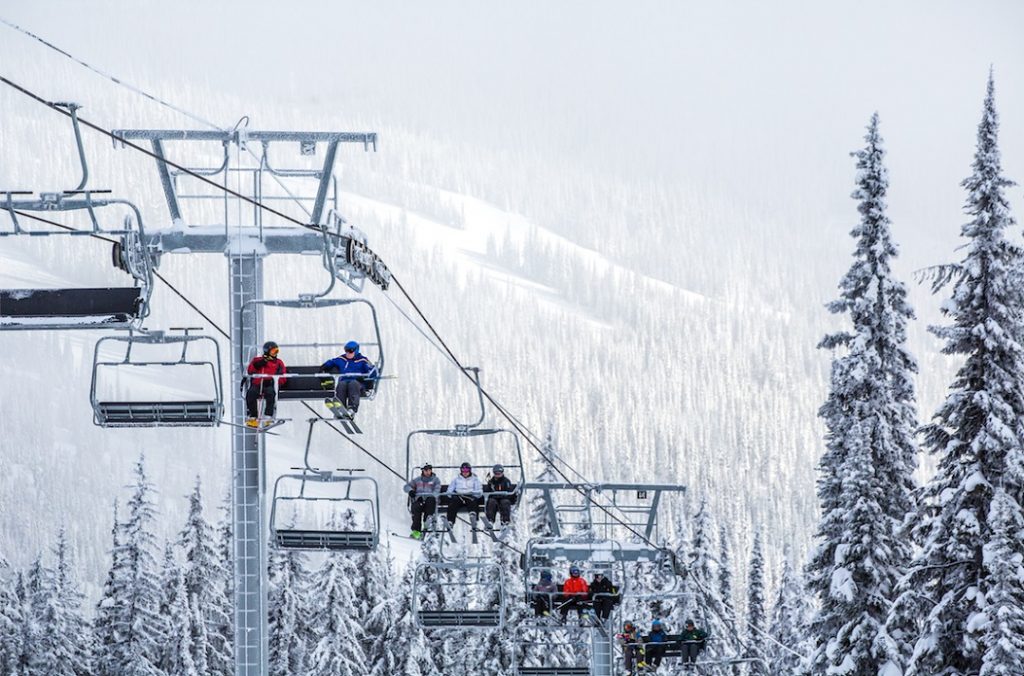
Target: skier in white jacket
<point x="464" y="493"/>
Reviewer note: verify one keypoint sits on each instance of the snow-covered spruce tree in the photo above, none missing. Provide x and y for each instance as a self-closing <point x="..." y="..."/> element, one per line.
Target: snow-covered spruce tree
<point x="725" y="589"/>
<point x="537" y="512"/>
<point x="205" y="582"/>
<point x="288" y="606"/>
<point x="222" y="637"/>
<point x="177" y="650"/>
<point x="334" y="621"/>
<point x="1003" y="637"/>
<point x="108" y="611"/>
<point x="976" y="434"/>
<point x="139" y="628"/>
<point x="64" y="647"/>
<point x="28" y="633"/>
<point x="789" y="618"/>
<point x="757" y="616"/>
<point x="865" y="485"/>
<point x="11" y="621"/>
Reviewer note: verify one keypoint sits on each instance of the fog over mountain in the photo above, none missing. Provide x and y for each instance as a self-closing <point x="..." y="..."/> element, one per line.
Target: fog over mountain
<point x="630" y="217"/>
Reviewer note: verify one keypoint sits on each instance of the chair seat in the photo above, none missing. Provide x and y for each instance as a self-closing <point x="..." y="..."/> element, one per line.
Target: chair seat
<point x="157" y="413"/>
<point x="69" y="308"/>
<point x="553" y="671"/>
<point x="325" y="539"/>
<point x="459" y="618"/>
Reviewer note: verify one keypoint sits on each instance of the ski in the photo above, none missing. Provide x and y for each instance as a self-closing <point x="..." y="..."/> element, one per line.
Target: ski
<point x="340" y="414"/>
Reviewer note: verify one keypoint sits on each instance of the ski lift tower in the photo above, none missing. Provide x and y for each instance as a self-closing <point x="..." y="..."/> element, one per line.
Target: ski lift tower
<point x="240" y="160"/>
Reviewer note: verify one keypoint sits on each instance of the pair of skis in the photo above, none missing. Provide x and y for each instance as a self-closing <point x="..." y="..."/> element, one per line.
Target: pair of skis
<point x="341" y="414"/>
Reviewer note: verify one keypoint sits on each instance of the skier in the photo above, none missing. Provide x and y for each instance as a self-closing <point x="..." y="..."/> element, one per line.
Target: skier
<point x="574" y="594"/>
<point x="355" y="370"/>
<point x="423" y="492"/>
<point x="694" y="640"/>
<point x="543" y="593"/>
<point x="632" y="649"/>
<point x="654" y="644"/>
<point x="498" y="483"/>
<point x="604" y="595"/>
<point x="261" y="386"/>
<point x="463" y="493"/>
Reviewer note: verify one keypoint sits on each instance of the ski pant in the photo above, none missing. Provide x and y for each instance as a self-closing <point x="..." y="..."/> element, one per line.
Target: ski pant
<point x="460" y="503"/>
<point x="654" y="652"/>
<point x="577" y="603"/>
<point x="422" y="507"/>
<point x="496" y="504"/>
<point x="603" y="606"/>
<point x="254" y="393"/>
<point x="691" y="649"/>
<point x="630" y="653"/>
<point x="541" y="605"/>
<point x="348" y="392"/>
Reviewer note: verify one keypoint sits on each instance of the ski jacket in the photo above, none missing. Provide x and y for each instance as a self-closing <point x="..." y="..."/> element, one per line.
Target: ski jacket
<point x="350" y="369"/>
<point x="628" y="637"/>
<point x="424" y="487"/>
<point x="499" y="484"/>
<point x="543" y="588"/>
<point x="602" y="586"/>
<point x="270" y="366"/>
<point x="575" y="586"/>
<point x="469" y="485"/>
<point x="697" y="635"/>
<point x="658" y="636"/>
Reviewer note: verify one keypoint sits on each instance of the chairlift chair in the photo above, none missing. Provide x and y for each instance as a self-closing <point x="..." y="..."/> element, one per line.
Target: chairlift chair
<point x="326" y="534"/>
<point x="459" y="580"/>
<point x="79" y="308"/>
<point x="466" y="432"/>
<point x="204" y="412"/>
<point x="303" y="381"/>
<point x="544" y="651"/>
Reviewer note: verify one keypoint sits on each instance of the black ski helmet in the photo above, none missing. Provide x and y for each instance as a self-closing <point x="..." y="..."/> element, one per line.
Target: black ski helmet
<point x="268" y="346"/>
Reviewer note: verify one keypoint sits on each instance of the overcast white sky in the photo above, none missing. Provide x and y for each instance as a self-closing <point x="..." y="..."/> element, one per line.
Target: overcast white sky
<point x="761" y="99"/>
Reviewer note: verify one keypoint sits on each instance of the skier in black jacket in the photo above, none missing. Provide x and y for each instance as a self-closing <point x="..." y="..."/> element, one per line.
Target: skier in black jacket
<point x="500" y="485"/>
<point x="604" y="595"/>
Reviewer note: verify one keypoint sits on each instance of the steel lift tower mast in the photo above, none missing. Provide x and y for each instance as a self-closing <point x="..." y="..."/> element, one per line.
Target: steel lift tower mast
<point x="246" y="245"/>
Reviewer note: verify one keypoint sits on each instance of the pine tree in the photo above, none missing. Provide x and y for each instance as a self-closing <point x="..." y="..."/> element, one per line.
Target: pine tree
<point x="222" y="637"/>
<point x="63" y="646"/>
<point x="725" y="587"/>
<point x="335" y="620"/>
<point x="11" y="621"/>
<point x="129" y="624"/>
<point x="1003" y="636"/>
<point x="788" y="623"/>
<point x="976" y="433"/>
<point x="865" y="486"/>
<point x="757" y="618"/>
<point x="537" y="512"/>
<point x="205" y="582"/>
<point x="288" y="606"/>
<point x="177" y="651"/>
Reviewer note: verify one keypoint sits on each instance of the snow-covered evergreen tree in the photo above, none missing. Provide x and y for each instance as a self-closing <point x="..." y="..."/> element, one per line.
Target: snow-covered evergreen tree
<point x="757" y="617"/>
<point x="537" y="512"/>
<point x="11" y="621"/>
<point x="788" y="624"/>
<point x="288" y="606"/>
<point x="1003" y="637"/>
<point x="205" y="582"/>
<point x="177" y="652"/>
<point x="128" y="619"/>
<point x="63" y="647"/>
<point x="976" y="434"/>
<point x="108" y="611"/>
<point x="222" y="637"/>
<point x="334" y="621"/>
<point x="865" y="486"/>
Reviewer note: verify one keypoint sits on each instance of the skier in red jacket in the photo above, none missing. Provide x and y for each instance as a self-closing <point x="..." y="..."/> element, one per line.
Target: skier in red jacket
<point x="261" y="387"/>
<point x="574" y="594"/>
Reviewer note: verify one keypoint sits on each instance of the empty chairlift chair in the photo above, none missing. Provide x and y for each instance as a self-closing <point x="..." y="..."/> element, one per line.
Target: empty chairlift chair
<point x="474" y="595"/>
<point x="323" y="510"/>
<point x="543" y="651"/>
<point x="204" y="409"/>
<point x="78" y="308"/>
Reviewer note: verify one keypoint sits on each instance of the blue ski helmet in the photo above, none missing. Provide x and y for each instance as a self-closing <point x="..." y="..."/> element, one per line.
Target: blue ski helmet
<point x="545" y="575"/>
<point x="573" y="570"/>
<point x="656" y="623"/>
<point x="352" y="345"/>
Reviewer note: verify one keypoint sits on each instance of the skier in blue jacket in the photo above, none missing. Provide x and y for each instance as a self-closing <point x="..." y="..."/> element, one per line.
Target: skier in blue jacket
<point x="355" y="370"/>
